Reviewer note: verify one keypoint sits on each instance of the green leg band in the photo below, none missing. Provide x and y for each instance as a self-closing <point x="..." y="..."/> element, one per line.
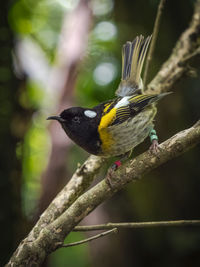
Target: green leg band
<point x="153" y="135"/>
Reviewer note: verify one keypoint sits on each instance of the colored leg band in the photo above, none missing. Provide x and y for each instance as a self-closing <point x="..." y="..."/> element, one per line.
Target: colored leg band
<point x="118" y="163"/>
<point x="153" y="135"/>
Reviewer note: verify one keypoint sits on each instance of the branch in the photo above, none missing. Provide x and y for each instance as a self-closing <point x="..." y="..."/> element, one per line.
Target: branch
<point x="176" y="67"/>
<point x="136" y="225"/>
<point x="153" y="41"/>
<point x="49" y="237"/>
<point x="80" y="181"/>
<point x="112" y="231"/>
<point x="115" y="226"/>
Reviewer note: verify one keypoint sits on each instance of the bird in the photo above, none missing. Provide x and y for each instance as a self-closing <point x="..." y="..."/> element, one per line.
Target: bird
<point x="115" y="127"/>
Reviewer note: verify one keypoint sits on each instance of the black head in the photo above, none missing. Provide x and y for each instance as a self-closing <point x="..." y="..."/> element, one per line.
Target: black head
<point x="81" y="126"/>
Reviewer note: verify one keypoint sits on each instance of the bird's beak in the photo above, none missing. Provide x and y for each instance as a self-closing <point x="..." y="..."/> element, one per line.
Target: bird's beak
<point x="57" y="118"/>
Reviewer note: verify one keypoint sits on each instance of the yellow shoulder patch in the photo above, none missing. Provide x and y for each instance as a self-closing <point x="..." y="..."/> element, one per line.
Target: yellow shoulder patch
<point x="104" y="134"/>
<point x="107" y="119"/>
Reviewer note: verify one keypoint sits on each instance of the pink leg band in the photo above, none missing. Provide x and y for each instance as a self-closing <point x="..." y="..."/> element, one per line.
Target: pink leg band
<point x="118" y="163"/>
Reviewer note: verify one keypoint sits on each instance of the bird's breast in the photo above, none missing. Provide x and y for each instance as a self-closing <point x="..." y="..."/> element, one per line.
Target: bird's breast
<point x="121" y="138"/>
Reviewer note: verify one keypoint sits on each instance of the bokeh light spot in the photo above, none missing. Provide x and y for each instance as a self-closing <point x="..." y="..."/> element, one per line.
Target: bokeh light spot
<point x="102" y="7"/>
<point x="105" y="31"/>
<point x="104" y="73"/>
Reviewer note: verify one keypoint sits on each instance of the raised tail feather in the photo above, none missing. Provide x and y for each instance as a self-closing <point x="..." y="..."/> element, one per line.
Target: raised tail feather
<point x="133" y="55"/>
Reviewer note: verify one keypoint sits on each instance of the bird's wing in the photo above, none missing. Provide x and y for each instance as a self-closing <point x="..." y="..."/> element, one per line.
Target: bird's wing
<point x="136" y="104"/>
<point x="124" y="108"/>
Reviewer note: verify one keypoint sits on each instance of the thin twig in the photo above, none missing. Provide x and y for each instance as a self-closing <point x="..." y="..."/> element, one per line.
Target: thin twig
<point x="153" y="41"/>
<point x="112" y="231"/>
<point x="138" y="225"/>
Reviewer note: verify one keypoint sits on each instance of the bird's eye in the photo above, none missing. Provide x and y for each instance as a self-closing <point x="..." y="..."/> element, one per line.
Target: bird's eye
<point x="76" y="119"/>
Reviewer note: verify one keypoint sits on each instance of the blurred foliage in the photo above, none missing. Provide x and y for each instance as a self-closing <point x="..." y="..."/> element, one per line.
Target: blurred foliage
<point x="37" y="25"/>
<point x="60" y="257"/>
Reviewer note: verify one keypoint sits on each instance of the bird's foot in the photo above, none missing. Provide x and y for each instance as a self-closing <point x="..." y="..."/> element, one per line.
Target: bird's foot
<point x="154" y="148"/>
<point x="111" y="171"/>
<point x="116" y="165"/>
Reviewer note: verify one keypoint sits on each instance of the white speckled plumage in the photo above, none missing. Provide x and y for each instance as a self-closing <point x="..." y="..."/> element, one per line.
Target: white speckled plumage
<point x="130" y="133"/>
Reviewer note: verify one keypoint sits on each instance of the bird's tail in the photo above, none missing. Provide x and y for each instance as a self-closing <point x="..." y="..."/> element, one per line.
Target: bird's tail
<point x="133" y="55"/>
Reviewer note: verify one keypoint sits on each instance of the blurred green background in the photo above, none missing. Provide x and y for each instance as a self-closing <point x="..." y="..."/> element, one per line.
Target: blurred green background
<point x="29" y="35"/>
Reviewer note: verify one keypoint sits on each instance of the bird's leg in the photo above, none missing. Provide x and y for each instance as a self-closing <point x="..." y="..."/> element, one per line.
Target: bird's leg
<point x="154" y="148"/>
<point x="115" y="166"/>
<point x="119" y="162"/>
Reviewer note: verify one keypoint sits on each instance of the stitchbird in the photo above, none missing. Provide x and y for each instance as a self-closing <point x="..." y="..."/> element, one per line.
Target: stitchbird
<point x="115" y="127"/>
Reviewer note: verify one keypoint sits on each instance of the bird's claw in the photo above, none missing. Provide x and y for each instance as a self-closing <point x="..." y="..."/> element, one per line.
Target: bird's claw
<point x="154" y="148"/>
<point x="111" y="171"/>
